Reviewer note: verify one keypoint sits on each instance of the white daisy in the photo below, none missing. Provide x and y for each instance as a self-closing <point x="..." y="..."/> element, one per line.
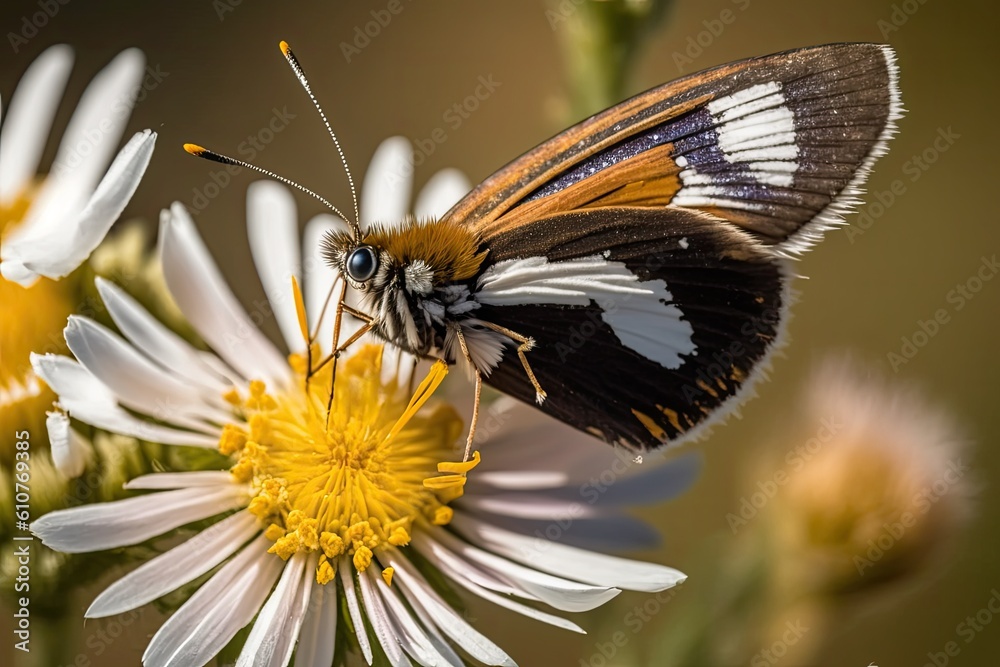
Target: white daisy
<point x="50" y="224"/>
<point x="322" y="508"/>
<point x="49" y="228"/>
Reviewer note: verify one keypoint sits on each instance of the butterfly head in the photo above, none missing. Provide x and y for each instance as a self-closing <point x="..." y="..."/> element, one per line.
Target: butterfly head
<point x="356" y="259"/>
<point x="414" y="257"/>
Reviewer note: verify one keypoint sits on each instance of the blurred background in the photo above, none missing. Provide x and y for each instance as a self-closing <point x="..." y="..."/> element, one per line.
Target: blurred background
<point x="216" y="78"/>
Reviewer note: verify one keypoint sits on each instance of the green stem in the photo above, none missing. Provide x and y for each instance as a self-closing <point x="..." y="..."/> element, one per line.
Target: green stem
<point x="600" y="41"/>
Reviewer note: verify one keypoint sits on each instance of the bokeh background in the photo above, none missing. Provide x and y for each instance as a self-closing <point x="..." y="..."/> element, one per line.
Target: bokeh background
<point x="221" y="79"/>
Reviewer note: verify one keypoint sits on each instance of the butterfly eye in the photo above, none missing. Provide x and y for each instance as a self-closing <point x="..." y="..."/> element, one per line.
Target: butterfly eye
<point x="362" y="264"/>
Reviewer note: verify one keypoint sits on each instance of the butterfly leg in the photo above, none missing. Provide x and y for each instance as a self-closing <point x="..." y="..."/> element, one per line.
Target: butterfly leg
<point x="369" y="323"/>
<point x="479" y="391"/>
<point x="525" y="344"/>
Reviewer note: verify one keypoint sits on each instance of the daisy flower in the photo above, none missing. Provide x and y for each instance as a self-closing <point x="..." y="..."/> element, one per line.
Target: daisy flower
<point x="50" y="224"/>
<point x="847" y="510"/>
<point x="898" y="465"/>
<point x="333" y="528"/>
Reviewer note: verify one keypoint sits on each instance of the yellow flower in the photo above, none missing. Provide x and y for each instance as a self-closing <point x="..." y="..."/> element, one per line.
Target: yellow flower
<point x="353" y="509"/>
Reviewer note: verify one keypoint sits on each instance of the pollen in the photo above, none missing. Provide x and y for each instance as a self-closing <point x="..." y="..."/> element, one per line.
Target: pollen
<point x="351" y="484"/>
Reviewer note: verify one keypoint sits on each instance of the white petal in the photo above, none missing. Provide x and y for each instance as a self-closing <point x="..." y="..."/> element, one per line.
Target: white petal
<point x="567" y="561"/>
<point x="176" y="567"/>
<point x="612" y="533"/>
<point x="442" y="191"/>
<point x="381" y="625"/>
<point x="354" y="609"/>
<point x="118" y="420"/>
<point x="215" y="613"/>
<point x="517" y="480"/>
<point x="70" y="380"/>
<point x="28" y="119"/>
<point x="90" y="140"/>
<point x="138" y="383"/>
<point x="13" y="270"/>
<point x="653" y="482"/>
<point x="70" y="452"/>
<point x="273" y="229"/>
<point x="133" y="520"/>
<point x="57" y="251"/>
<point x="86" y="398"/>
<point x="276" y="629"/>
<point x="410" y="635"/>
<point x="398" y="364"/>
<point x="460" y="578"/>
<point x="459" y="568"/>
<point x="318" y="637"/>
<point x="210" y="306"/>
<point x="156" y="341"/>
<point x="530" y="506"/>
<point x="421" y="594"/>
<point x="180" y="480"/>
<point x="560" y="593"/>
<point x="522" y="609"/>
<point x="388" y="183"/>
<point x="88" y="144"/>
<point x="100" y="117"/>
<point x="319" y="276"/>
<point x="428" y="627"/>
<point x="518" y="429"/>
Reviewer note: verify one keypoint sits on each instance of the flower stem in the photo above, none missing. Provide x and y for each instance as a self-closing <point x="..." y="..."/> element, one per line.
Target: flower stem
<point x="600" y="41"/>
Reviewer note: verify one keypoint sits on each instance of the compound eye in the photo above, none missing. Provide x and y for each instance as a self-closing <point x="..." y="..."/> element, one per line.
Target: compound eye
<point x="362" y="264"/>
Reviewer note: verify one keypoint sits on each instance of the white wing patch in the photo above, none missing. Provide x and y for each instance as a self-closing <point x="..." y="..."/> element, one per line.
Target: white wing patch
<point x="641" y="313"/>
<point x="756" y="130"/>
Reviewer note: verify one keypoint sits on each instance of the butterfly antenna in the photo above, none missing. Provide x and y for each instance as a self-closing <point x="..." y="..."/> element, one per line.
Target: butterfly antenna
<point x="297" y="68"/>
<point x="204" y="153"/>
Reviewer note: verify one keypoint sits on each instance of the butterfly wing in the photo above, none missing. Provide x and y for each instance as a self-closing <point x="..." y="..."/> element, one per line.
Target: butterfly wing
<point x="778" y="145"/>
<point x="641" y="250"/>
<point x="646" y="321"/>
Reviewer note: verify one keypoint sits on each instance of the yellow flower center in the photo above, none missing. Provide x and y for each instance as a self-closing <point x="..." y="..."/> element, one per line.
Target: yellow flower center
<point x="33" y="320"/>
<point x="351" y="482"/>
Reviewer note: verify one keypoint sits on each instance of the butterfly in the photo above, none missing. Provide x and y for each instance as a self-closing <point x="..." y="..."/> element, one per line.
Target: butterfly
<point x="631" y="275"/>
